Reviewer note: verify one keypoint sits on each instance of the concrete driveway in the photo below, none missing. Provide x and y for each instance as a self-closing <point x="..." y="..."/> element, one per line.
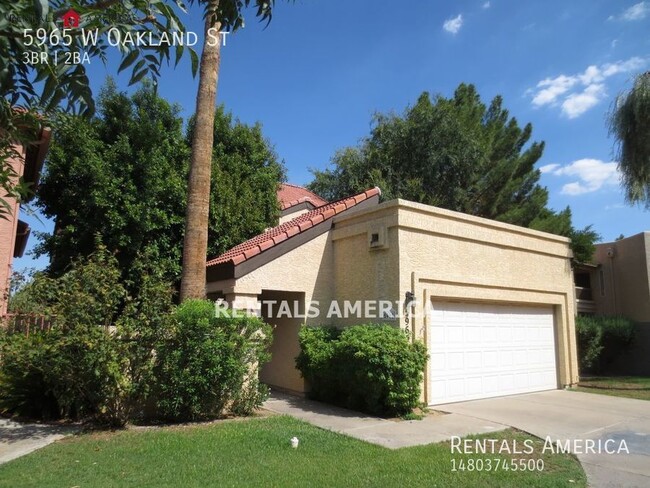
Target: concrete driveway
<point x="568" y="415"/>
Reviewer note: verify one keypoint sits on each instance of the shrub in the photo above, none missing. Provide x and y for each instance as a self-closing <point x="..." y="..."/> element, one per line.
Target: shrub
<point x="600" y="339"/>
<point x="24" y="388"/>
<point x="208" y="365"/>
<point x="372" y="368"/>
<point x="96" y="361"/>
<point x="316" y="362"/>
<point x="590" y="342"/>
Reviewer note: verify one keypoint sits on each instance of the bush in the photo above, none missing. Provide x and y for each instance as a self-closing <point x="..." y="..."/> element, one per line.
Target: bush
<point x="590" y="342"/>
<point x="96" y="361"/>
<point x="24" y="388"/>
<point x="208" y="365"/>
<point x="600" y="339"/>
<point x="316" y="362"/>
<point x="371" y="368"/>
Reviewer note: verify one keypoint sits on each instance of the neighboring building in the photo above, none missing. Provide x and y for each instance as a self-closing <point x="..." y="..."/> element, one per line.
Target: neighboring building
<point x="295" y="200"/>
<point x="493" y="302"/>
<point x="618" y="283"/>
<point x="623" y="280"/>
<point x="13" y="231"/>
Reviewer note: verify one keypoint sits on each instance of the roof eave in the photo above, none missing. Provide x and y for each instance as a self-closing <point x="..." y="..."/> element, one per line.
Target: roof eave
<point x="229" y="269"/>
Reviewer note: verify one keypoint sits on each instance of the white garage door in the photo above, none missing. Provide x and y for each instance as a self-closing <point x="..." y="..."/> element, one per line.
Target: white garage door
<point x="484" y="350"/>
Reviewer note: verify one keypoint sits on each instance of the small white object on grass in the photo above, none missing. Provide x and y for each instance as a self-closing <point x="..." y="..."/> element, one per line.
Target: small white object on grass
<point x="294" y="442"/>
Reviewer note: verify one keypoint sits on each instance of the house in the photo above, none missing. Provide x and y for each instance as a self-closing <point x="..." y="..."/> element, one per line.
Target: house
<point x="13" y="231"/>
<point x="493" y="302"/>
<point x="618" y="283"/>
<point x="295" y="200"/>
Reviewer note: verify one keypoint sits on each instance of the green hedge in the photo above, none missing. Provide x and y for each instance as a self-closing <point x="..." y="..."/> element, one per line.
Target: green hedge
<point x="600" y="339"/>
<point x="372" y="368"/>
<point x="112" y="357"/>
<point x="209" y="364"/>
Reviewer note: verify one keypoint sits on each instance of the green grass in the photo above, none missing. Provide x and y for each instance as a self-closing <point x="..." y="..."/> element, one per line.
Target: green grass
<point x="257" y="452"/>
<point x="624" y="386"/>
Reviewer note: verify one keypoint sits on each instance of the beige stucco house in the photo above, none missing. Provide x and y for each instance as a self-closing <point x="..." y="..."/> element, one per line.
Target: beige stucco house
<point x="618" y="283"/>
<point x="623" y="278"/>
<point x="493" y="302"/>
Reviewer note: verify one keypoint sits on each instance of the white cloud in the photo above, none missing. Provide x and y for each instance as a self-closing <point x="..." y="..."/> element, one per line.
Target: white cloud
<point x="591" y="174"/>
<point x="548" y="168"/>
<point x="591" y="75"/>
<point x="637" y="11"/>
<point x="575" y="188"/>
<point x="631" y="64"/>
<point x="486" y="5"/>
<point x="552" y="88"/>
<point x="578" y="103"/>
<point x="577" y="93"/>
<point x="453" y="25"/>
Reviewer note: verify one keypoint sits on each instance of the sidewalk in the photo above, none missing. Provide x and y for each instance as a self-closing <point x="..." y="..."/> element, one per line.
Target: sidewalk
<point x="17" y="439"/>
<point x="388" y="433"/>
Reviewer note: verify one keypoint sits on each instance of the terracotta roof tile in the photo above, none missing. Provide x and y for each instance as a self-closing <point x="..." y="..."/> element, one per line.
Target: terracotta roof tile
<point x="305" y="225"/>
<point x="293" y="231"/>
<point x="291" y="195"/>
<point x="274" y="236"/>
<point x="265" y="245"/>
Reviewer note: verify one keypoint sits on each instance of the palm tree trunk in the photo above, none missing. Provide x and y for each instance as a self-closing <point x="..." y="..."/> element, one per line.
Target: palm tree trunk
<point x="195" y="244"/>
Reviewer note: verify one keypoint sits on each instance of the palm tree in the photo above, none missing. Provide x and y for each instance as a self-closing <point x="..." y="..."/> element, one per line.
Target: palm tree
<point x="219" y="14"/>
<point x="195" y="243"/>
<point x="629" y="123"/>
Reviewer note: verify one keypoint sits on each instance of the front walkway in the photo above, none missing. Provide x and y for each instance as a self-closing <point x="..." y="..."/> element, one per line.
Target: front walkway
<point x="17" y="439"/>
<point x="388" y="433"/>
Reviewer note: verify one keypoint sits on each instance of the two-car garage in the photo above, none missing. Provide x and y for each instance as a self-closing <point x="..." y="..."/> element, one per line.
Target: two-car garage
<point x="484" y="350"/>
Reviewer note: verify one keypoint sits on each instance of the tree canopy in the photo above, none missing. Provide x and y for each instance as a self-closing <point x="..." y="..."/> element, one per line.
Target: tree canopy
<point x="39" y="74"/>
<point x="630" y="125"/>
<point x="455" y="153"/>
<point x="122" y="176"/>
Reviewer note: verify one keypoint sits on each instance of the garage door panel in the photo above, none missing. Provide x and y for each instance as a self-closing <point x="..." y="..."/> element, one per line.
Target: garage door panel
<point x="482" y="350"/>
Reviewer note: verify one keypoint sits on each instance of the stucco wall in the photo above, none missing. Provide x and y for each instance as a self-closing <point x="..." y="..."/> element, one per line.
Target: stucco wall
<point x="626" y="277"/>
<point x="438" y="254"/>
<point x="281" y="370"/>
<point x="304" y="274"/>
<point x="292" y="215"/>
<point x="363" y="273"/>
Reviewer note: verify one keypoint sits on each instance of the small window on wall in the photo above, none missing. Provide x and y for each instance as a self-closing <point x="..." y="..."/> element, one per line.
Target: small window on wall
<point x="377" y="238"/>
<point x="601" y="278"/>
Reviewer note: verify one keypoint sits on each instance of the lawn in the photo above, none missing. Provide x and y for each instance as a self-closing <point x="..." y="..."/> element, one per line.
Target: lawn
<point x="257" y="452"/>
<point x="624" y="386"/>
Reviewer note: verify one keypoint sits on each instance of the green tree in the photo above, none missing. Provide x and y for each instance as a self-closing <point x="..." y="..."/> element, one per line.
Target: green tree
<point x="122" y="175"/>
<point x="629" y="123"/>
<point x="62" y="82"/>
<point x="455" y="153"/>
<point x="32" y="31"/>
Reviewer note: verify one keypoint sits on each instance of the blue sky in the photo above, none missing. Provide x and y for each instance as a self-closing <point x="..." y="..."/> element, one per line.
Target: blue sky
<point x="318" y="72"/>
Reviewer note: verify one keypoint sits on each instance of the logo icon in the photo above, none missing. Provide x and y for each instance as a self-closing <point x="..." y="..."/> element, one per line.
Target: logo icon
<point x="71" y="19"/>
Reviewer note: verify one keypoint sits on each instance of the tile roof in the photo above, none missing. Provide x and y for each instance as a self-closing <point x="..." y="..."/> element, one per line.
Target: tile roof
<point x="276" y="235"/>
<point x="290" y="195"/>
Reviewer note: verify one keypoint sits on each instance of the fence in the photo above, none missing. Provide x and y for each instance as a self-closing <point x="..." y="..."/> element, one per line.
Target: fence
<point x="25" y="323"/>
